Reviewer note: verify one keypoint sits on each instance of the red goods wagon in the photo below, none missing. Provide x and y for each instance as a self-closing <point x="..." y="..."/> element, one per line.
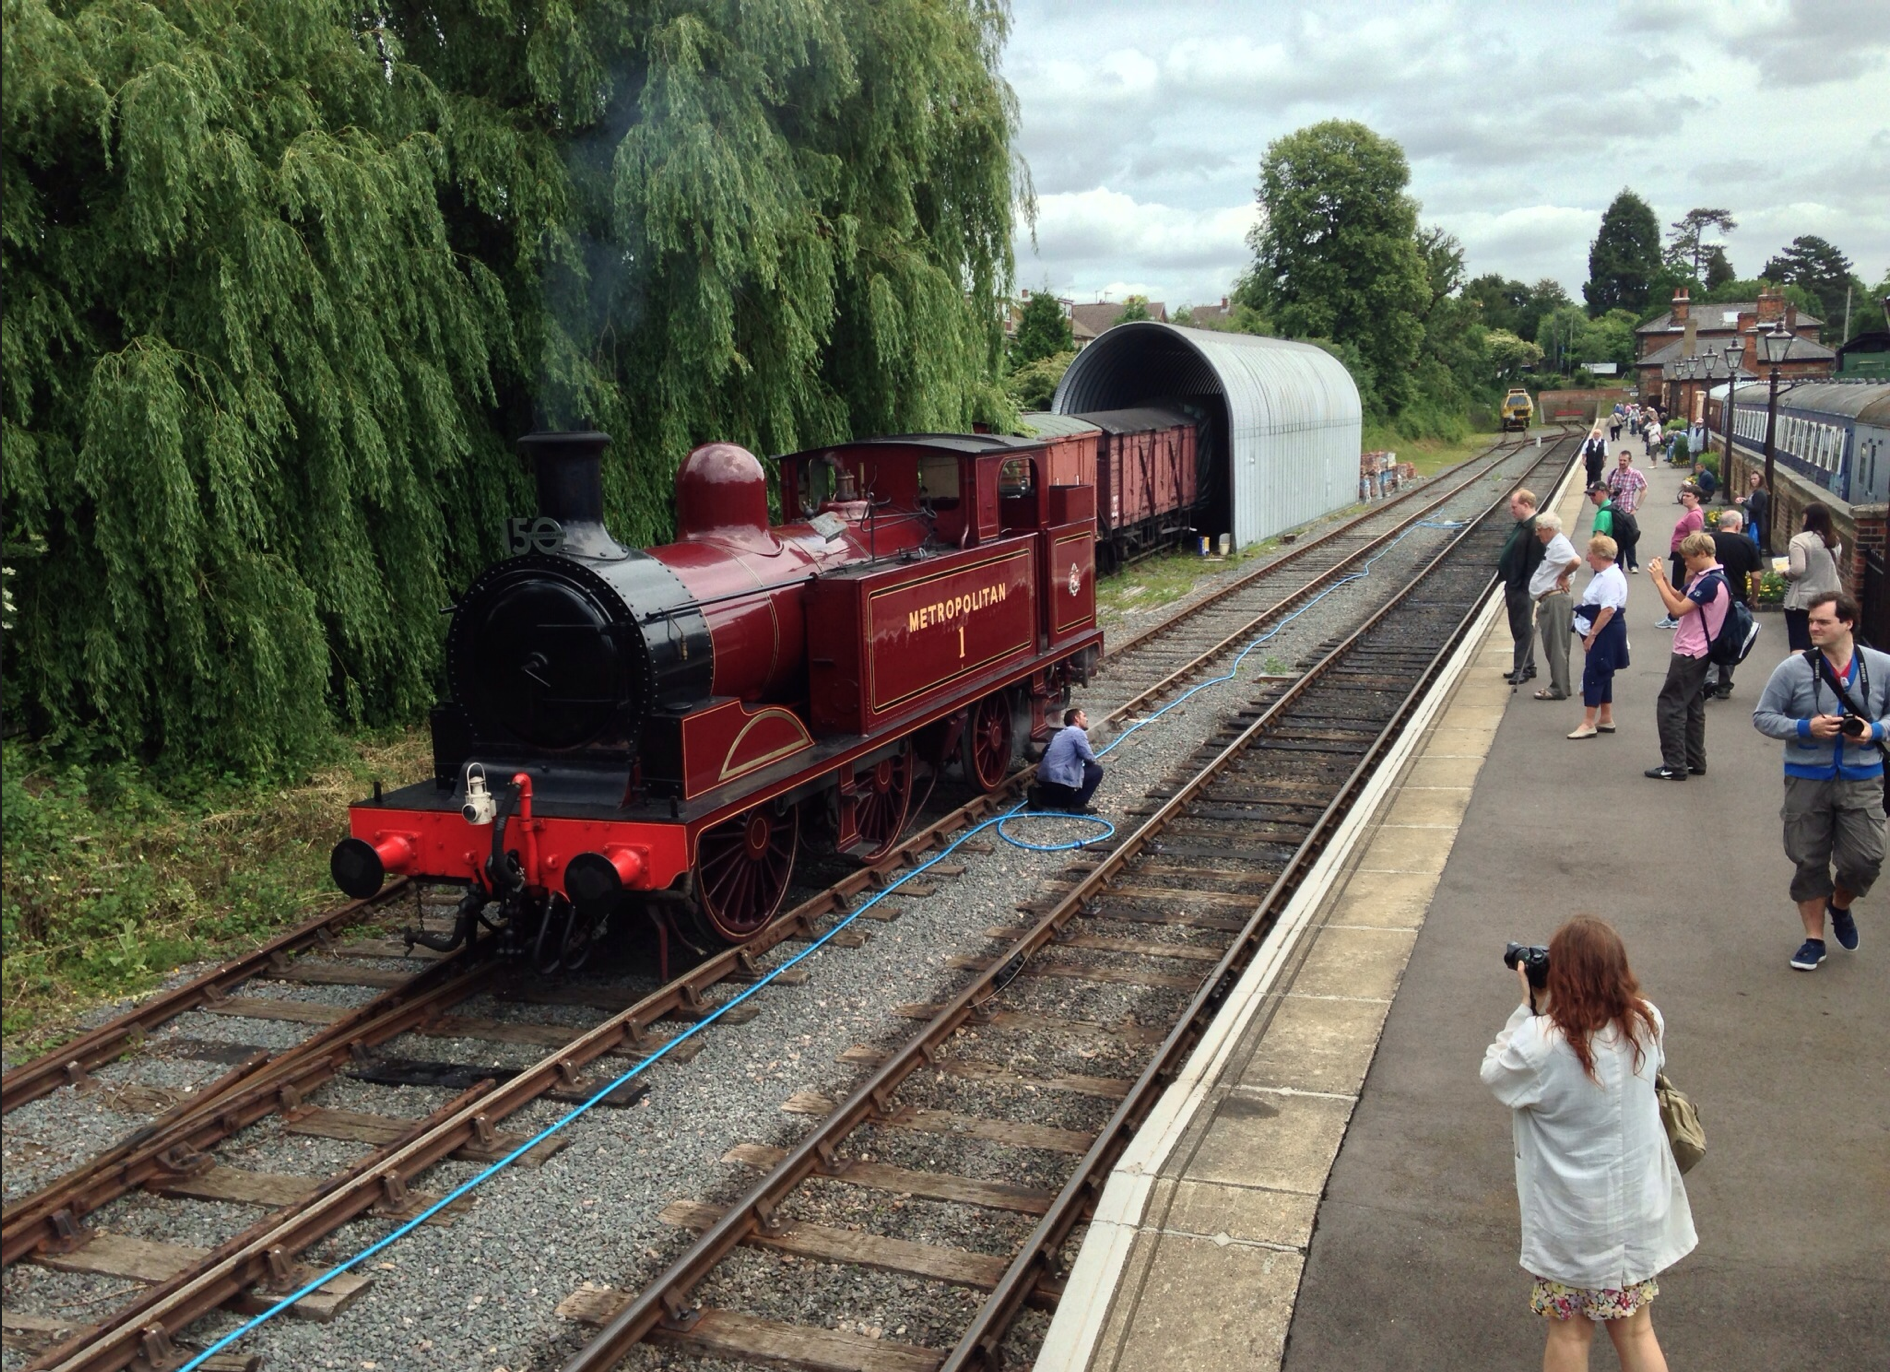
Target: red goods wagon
<point x="1147" y="480"/>
<point x="668" y="729"/>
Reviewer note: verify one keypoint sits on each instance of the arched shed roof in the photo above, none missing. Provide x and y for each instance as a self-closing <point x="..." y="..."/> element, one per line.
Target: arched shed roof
<point x="1285" y="415"/>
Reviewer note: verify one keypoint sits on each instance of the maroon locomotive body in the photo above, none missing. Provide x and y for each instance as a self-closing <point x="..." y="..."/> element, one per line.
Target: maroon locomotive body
<point x="673" y="726"/>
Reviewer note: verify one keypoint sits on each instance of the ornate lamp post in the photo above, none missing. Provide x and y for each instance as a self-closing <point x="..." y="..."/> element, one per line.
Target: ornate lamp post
<point x="1733" y="352"/>
<point x="1777" y="344"/>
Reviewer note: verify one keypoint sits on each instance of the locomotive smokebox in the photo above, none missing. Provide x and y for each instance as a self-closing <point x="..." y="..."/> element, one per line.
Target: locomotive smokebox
<point x="570" y="471"/>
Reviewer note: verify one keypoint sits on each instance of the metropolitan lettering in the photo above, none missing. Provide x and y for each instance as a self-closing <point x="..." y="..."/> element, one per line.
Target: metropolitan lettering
<point x="939" y="612"/>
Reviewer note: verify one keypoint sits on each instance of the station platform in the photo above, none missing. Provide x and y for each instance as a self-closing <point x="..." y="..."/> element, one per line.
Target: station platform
<point x="1329" y="1185"/>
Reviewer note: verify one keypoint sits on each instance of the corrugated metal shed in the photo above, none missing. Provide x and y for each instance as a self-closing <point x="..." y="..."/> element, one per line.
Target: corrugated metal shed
<point x="1283" y="417"/>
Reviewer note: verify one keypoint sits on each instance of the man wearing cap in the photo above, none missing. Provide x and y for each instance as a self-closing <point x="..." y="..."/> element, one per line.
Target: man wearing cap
<point x="1613" y="521"/>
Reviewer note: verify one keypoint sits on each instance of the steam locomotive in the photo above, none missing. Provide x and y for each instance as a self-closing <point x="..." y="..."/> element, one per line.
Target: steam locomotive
<point x="672" y="727"/>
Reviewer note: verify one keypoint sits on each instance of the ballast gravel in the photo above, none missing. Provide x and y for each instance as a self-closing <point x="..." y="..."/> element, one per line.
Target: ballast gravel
<point x="479" y="1293"/>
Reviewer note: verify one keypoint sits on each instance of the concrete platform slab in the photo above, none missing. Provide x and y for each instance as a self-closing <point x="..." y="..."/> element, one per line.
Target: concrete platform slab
<point x="1273" y="1140"/>
<point x="1185" y="1322"/>
<point x="1317" y="1044"/>
<point x="1355" y="962"/>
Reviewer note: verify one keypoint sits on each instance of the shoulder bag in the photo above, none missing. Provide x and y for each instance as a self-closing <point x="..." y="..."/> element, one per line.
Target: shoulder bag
<point x="1685" y="1134"/>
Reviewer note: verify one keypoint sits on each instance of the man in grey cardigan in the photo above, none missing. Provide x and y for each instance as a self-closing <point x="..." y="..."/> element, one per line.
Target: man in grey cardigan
<point x="1831" y="706"/>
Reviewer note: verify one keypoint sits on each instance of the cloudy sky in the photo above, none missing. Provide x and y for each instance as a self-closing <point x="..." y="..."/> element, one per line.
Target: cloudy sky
<point x="1144" y="125"/>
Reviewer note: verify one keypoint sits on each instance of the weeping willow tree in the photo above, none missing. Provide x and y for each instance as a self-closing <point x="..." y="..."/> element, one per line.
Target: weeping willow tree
<point x="777" y="224"/>
<point x="243" y="370"/>
<point x="284" y="278"/>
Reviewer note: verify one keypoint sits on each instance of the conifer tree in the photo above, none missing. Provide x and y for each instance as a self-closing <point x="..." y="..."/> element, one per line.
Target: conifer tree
<point x="1624" y="257"/>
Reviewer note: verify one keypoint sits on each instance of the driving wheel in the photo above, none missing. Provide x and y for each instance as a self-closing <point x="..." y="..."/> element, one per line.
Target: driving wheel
<point x="882" y="800"/>
<point x="742" y="870"/>
<point x="988" y="742"/>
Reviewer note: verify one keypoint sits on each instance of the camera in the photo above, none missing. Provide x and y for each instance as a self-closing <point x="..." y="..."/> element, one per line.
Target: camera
<point x="1532" y="958"/>
<point x="1854" y="726"/>
<point x="480" y="807"/>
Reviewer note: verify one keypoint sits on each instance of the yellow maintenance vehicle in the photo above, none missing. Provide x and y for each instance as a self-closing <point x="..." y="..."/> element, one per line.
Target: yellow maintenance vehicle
<point x="1518" y="409"/>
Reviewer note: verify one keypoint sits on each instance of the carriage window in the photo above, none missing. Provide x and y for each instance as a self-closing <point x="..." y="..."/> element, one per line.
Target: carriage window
<point x="938" y="476"/>
<point x="1014" y="478"/>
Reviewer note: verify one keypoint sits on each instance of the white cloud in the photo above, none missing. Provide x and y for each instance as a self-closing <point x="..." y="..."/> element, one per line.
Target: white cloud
<point x="1105" y="243"/>
<point x="1143" y="127"/>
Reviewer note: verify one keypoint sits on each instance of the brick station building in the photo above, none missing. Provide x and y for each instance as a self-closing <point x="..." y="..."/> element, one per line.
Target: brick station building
<point x="1683" y="332"/>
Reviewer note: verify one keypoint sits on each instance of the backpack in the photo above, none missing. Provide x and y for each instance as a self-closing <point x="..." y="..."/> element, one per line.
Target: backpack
<point x="1737" y="632"/>
<point x="1627" y="529"/>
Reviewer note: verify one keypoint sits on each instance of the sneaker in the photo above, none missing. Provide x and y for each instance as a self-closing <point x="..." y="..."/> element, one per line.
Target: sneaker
<point x="1844" y="925"/>
<point x="1665" y="773"/>
<point x="1810" y="953"/>
<point x="1696" y="771"/>
<point x="1666" y="622"/>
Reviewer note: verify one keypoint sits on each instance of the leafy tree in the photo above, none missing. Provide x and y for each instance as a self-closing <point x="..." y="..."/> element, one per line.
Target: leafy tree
<point x="1719" y="269"/>
<point x="1684" y="248"/>
<point x="1510" y="356"/>
<point x="1043" y="330"/>
<point x="1501" y="299"/>
<point x="1134" y="308"/>
<point x="1557" y="333"/>
<point x="284" y="283"/>
<point x="1034" y="385"/>
<point x="1814" y="264"/>
<point x="1607" y="339"/>
<point x="243" y="379"/>
<point x="1623" y="258"/>
<point x="1183" y="317"/>
<point x="1336" y="252"/>
<point x="1546" y="295"/>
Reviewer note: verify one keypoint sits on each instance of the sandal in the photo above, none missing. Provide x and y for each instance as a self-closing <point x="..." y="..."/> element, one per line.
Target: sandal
<point x="1549" y="695"/>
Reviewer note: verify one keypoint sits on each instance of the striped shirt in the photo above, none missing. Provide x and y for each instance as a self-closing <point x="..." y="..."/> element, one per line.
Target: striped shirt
<point x="1627" y="486"/>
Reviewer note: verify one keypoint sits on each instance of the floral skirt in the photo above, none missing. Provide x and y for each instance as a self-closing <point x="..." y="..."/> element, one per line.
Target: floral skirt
<point x="1554" y="1300"/>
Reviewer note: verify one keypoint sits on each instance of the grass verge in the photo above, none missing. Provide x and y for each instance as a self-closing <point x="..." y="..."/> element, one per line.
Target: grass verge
<point x="110" y="879"/>
<point x="1429" y="455"/>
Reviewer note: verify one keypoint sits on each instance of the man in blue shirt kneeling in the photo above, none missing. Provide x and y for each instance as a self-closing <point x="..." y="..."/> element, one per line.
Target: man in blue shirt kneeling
<point x="1069" y="773"/>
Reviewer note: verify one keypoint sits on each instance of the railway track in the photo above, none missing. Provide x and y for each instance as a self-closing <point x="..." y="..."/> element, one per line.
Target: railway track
<point x="1228" y="612"/>
<point x="173" y="1154"/>
<point x="1179" y="907"/>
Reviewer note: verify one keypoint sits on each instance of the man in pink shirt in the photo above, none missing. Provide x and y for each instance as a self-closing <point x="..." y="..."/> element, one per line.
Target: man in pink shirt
<point x="1692" y="521"/>
<point x="1699" y="612"/>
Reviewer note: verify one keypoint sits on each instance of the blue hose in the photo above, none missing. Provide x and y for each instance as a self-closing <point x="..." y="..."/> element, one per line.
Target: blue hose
<point x="997" y="821"/>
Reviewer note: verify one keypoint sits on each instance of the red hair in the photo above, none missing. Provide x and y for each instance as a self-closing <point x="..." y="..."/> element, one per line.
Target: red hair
<point x="1591" y="986"/>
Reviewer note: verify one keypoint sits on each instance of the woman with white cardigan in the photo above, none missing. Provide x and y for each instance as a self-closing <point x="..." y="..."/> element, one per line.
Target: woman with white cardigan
<point x="1603" y="1208"/>
<point x="1811" y="566"/>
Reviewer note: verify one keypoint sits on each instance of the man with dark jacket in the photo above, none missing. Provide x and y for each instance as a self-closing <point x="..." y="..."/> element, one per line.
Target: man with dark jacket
<point x="1739" y="559"/>
<point x="1831" y="707"/>
<point x="1521" y="554"/>
<point x="1594" y="454"/>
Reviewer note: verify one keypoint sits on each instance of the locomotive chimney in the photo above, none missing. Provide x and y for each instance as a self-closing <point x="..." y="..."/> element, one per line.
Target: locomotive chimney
<point x="569" y="469"/>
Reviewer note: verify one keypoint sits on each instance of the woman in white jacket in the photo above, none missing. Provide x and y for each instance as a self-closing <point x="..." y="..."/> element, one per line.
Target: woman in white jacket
<point x="1603" y="1209"/>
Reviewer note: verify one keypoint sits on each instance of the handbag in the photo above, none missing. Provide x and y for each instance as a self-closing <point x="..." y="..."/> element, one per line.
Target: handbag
<point x="1685" y="1134"/>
